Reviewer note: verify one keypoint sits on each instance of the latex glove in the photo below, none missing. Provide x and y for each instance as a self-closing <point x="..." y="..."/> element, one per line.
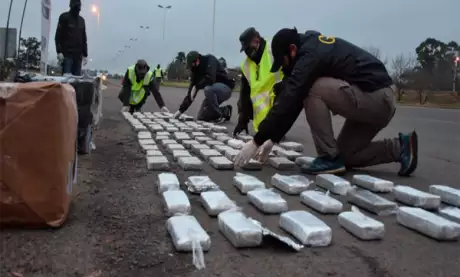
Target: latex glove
<point x="264" y="151"/>
<point x="240" y="127"/>
<point x="177" y="115"/>
<point x="248" y="151"/>
<point x="164" y="109"/>
<point x="125" y="109"/>
<point x="84" y="61"/>
<point x="60" y="57"/>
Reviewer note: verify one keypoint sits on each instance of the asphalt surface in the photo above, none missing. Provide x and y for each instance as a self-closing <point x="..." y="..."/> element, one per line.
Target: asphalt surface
<point x="116" y="226"/>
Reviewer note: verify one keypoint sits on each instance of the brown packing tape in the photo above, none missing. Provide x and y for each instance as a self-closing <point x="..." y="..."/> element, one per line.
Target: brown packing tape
<point x="38" y="128"/>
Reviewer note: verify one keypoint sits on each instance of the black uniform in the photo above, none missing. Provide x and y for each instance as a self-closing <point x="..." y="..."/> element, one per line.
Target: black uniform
<point x="70" y="36"/>
<point x="341" y="60"/>
<point x="125" y="94"/>
<point x="209" y="71"/>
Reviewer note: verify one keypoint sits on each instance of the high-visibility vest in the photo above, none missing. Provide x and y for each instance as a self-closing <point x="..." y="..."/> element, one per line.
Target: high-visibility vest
<point x="158" y="72"/>
<point x="261" y="81"/>
<point x="137" y="88"/>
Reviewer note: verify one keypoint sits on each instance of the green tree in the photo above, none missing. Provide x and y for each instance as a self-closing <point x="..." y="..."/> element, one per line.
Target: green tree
<point x="223" y="62"/>
<point x="29" y="53"/>
<point x="180" y="57"/>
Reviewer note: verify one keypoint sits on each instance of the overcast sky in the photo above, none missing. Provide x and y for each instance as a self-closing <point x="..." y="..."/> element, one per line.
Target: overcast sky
<point x="395" y="26"/>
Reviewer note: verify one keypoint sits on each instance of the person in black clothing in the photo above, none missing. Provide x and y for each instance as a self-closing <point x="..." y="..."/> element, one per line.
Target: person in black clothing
<point x="70" y="38"/>
<point x="208" y="73"/>
<point x="139" y="71"/>
<point x="331" y="75"/>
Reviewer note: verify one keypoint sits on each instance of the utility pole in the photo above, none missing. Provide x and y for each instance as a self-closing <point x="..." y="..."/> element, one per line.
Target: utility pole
<point x="454" y="82"/>
<point x="18" y="63"/>
<point x="213" y="25"/>
<point x="165" y="10"/>
<point x="5" y="51"/>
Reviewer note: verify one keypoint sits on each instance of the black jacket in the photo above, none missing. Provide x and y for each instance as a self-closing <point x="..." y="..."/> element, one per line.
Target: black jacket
<point x="125" y="94"/>
<point x="70" y="35"/>
<point x="315" y="59"/>
<point x="209" y="71"/>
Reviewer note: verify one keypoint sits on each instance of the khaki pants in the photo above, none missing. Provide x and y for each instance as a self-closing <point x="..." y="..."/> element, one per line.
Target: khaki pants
<point x="365" y="113"/>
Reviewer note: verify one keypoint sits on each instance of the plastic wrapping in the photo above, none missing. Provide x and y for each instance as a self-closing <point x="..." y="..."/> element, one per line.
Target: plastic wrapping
<point x="416" y="198"/>
<point x="289" y="154"/>
<point x="222" y="148"/>
<point x="267" y="201"/>
<point x="292" y="184"/>
<point x="215" y="135"/>
<point x="304" y="161"/>
<point x="190" y="163"/>
<point x="165" y="142"/>
<point x="157" y="163"/>
<point x="448" y="195"/>
<point x="333" y="183"/>
<point x="321" y="202"/>
<point x="245" y="183"/>
<point x="231" y="154"/>
<point x="306" y="228"/>
<point x="144" y="135"/>
<point x="139" y="128"/>
<point x="371" y="202"/>
<point x="148" y="147"/>
<point x="221" y="163"/>
<point x="154" y="153"/>
<point x="293" y="146"/>
<point x="184" y="230"/>
<point x="197" y="134"/>
<point x="167" y="181"/>
<point x="188" y="143"/>
<point x="176" y="202"/>
<point x="451" y="213"/>
<point x="223" y="138"/>
<point x="173" y="147"/>
<point x="180" y="153"/>
<point x="147" y="141"/>
<point x="199" y="184"/>
<point x="215" y="202"/>
<point x="161" y="138"/>
<point x="252" y="165"/>
<point x="240" y="230"/>
<point x="180" y="136"/>
<point x="244" y="137"/>
<point x="171" y="129"/>
<point x="281" y="163"/>
<point x="235" y="143"/>
<point x="361" y="226"/>
<point x="197" y="147"/>
<point x="202" y="139"/>
<point x="208" y="153"/>
<point x="372" y="183"/>
<point x="156" y="127"/>
<point x="212" y="143"/>
<point x="186" y="129"/>
<point x="428" y="223"/>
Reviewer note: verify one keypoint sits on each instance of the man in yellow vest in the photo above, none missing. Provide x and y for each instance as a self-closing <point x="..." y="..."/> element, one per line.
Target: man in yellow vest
<point x="138" y="83"/>
<point x="257" y="82"/>
<point x="158" y="72"/>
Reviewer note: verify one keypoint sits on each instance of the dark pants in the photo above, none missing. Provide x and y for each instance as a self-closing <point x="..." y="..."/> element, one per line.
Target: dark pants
<point x="366" y="114"/>
<point x="158" y="83"/>
<point x="72" y="65"/>
<point x="215" y="95"/>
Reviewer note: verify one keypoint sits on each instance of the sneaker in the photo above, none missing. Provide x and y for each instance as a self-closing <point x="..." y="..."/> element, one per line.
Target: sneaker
<point x="325" y="165"/>
<point x="220" y="120"/>
<point x="409" y="153"/>
<point x="228" y="114"/>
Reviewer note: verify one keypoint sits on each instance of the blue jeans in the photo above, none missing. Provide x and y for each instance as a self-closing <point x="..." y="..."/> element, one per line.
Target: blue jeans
<point x="215" y="95"/>
<point x="72" y="65"/>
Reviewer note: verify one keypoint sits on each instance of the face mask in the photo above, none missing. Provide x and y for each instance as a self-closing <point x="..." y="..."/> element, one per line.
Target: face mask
<point x="250" y="52"/>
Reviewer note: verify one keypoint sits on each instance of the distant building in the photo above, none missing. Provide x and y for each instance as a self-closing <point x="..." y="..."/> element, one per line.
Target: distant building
<point x="11" y="43"/>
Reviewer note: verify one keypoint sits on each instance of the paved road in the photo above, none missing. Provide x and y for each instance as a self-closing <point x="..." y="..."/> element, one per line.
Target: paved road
<point x="116" y="223"/>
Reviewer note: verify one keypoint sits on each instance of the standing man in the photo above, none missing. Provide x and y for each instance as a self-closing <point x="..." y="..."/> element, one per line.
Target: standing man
<point x="331" y="75"/>
<point x="257" y="81"/>
<point x="158" y="72"/>
<point x="71" y="45"/>
<point x="138" y="83"/>
<point x="208" y="74"/>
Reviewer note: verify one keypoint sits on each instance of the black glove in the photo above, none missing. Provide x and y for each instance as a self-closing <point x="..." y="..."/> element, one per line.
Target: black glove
<point x="240" y="127"/>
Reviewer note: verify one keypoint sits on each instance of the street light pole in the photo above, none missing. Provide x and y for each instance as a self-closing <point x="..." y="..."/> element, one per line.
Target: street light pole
<point x="5" y="51"/>
<point x="20" y="35"/>
<point x="454" y="83"/>
<point x="165" y="10"/>
<point x="213" y="24"/>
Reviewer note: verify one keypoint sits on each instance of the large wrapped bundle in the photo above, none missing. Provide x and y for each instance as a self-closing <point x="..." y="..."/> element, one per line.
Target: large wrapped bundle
<point x="38" y="129"/>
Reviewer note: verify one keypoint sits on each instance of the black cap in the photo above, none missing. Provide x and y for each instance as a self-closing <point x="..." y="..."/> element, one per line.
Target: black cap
<point x="75" y="3"/>
<point x="247" y="36"/>
<point x="280" y="46"/>
<point x="192" y="56"/>
<point x="142" y="66"/>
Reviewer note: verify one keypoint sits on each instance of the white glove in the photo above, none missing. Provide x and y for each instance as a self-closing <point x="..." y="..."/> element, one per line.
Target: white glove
<point x="165" y="109"/>
<point x="248" y="151"/>
<point x="60" y="57"/>
<point x="177" y="115"/>
<point x="84" y="61"/>
<point x="264" y="151"/>
<point x="125" y="109"/>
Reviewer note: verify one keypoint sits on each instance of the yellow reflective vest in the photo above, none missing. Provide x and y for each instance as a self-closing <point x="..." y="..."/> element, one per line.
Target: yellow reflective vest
<point x="261" y="81"/>
<point x="158" y="72"/>
<point x="137" y="88"/>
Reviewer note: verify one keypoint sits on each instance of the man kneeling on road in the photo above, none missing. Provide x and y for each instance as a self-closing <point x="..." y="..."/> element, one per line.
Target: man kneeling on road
<point x="208" y="74"/>
<point x="329" y="74"/>
<point x="138" y="83"/>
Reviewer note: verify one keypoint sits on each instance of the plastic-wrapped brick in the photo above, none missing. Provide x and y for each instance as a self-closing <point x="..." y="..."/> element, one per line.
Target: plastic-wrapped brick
<point x="267" y="201"/>
<point x="215" y="202"/>
<point x="235" y="143"/>
<point x="173" y="147"/>
<point x="293" y="184"/>
<point x="451" y="213"/>
<point x="208" y="153"/>
<point x="372" y="183"/>
<point x="333" y="183"/>
<point x="188" y="143"/>
<point x="176" y="203"/>
<point x="157" y="163"/>
<point x="245" y="183"/>
<point x="190" y="163"/>
<point x="184" y="230"/>
<point x="199" y="184"/>
<point x="321" y="202"/>
<point x="290" y="145"/>
<point x="371" y="202"/>
<point x="361" y="226"/>
<point x="281" y="163"/>
<point x="220" y="163"/>
<point x="306" y="228"/>
<point x="304" y="161"/>
<point x="240" y="230"/>
<point x="180" y="153"/>
<point x="197" y="147"/>
<point x="167" y="181"/>
<point x="448" y="195"/>
<point x="416" y="198"/>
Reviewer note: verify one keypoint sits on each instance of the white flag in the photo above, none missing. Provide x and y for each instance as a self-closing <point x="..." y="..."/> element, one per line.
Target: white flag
<point x="46" y="26"/>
